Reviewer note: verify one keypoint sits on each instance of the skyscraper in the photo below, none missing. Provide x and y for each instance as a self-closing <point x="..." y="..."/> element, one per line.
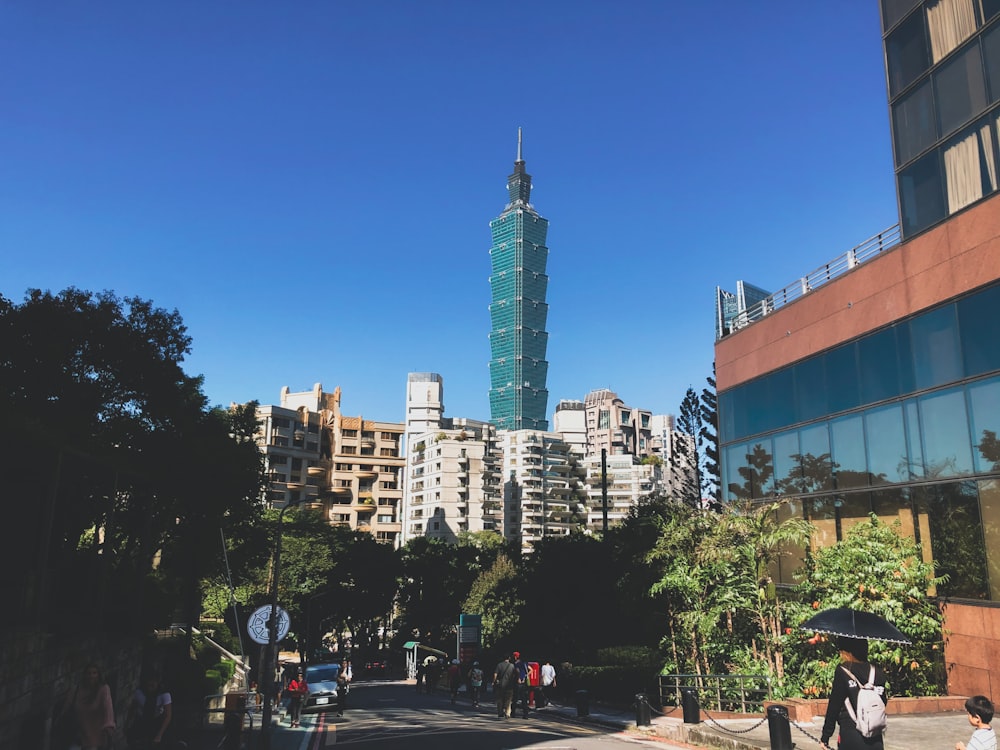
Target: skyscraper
<point x="518" y="340"/>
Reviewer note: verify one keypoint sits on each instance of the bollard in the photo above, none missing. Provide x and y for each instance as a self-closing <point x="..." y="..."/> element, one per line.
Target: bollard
<point x="778" y="728"/>
<point x="641" y="710"/>
<point x="692" y="711"/>
<point x="582" y="703"/>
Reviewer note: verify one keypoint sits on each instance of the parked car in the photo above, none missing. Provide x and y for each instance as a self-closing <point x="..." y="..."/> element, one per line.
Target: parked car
<point x="322" y="682"/>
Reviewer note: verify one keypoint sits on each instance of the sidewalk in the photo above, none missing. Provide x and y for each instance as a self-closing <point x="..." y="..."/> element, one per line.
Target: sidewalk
<point x="906" y="732"/>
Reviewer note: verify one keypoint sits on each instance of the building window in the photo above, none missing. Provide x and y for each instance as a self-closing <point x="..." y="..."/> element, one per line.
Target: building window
<point x="386" y="519"/>
<point x="345" y="467"/>
<point x="914" y="123"/>
<point x="388" y="452"/>
<point x="604" y="420"/>
<point x="368" y="435"/>
<point x="906" y="53"/>
<point x="921" y="195"/>
<point x="281" y="422"/>
<point x="349" y="433"/>
<point x="389" y="436"/>
<point x="348" y="450"/>
<point x="959" y="89"/>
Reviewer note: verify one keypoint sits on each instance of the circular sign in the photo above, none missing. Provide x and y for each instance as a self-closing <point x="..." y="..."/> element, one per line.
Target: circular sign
<point x="257" y="624"/>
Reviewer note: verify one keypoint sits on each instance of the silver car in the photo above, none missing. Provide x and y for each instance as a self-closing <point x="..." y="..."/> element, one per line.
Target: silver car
<point x="322" y="682"/>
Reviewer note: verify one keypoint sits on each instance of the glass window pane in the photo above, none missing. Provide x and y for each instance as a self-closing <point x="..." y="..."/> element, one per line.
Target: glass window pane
<point x="990" y="9"/>
<point x="822" y="513"/>
<point x="847" y="439"/>
<point x="887" y="460"/>
<point x="817" y="473"/>
<point x="906" y="53"/>
<point x="947" y="452"/>
<point x="989" y="509"/>
<point x="921" y="195"/>
<point x="760" y="469"/>
<point x="727" y="426"/>
<point x="787" y="471"/>
<point x="893" y="10"/>
<point x="790" y="557"/>
<point x="781" y="387"/>
<point x="984" y="408"/>
<point x="991" y="54"/>
<point x="853" y="509"/>
<point x="841" y="365"/>
<point x="949" y="23"/>
<point x="959" y="89"/>
<point x="914" y="123"/>
<point x="893" y="503"/>
<point x="736" y="459"/>
<point x="810" y="390"/>
<point x="950" y="513"/>
<point x="977" y="325"/>
<point x="914" y="448"/>
<point x="878" y="363"/>
<point x="756" y="394"/>
<point x="970" y="170"/>
<point x="936" y="356"/>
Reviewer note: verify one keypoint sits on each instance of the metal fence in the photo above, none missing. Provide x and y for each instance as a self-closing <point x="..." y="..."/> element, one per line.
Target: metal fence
<point x="870" y="248"/>
<point x="739" y="693"/>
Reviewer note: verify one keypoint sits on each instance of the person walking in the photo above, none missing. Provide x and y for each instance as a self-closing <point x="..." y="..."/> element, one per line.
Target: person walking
<point x="547" y="677"/>
<point x="89" y="713"/>
<point x="297" y="691"/>
<point x="523" y="688"/>
<point x="852" y="673"/>
<point x="151" y="713"/>
<point x="504" y="683"/>
<point x="454" y="679"/>
<point x="343" y="688"/>
<point x="475" y="683"/>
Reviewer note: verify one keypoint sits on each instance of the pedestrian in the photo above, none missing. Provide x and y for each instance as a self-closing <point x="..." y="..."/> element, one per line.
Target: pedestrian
<point x="547" y="677"/>
<point x="151" y="712"/>
<point x="980" y="709"/>
<point x="475" y="683"/>
<point x="296" y="691"/>
<point x="343" y="688"/>
<point x="421" y="671"/>
<point x="454" y="679"/>
<point x="852" y="673"/>
<point x="504" y="684"/>
<point x="87" y="719"/>
<point x="522" y="683"/>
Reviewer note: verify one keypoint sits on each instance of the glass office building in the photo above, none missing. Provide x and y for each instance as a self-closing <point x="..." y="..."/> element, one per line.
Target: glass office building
<point x="879" y="391"/>
<point x="518" y="340"/>
<point x="943" y="73"/>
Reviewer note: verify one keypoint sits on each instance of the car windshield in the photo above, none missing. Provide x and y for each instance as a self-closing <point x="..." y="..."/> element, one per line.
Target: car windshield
<point x="322" y="673"/>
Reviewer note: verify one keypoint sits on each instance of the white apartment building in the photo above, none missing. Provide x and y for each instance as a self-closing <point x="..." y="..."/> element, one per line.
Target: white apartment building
<point x="452" y="481"/>
<point x="346" y="467"/>
<point x="628" y="482"/>
<point x="570" y="421"/>
<point x="543" y="491"/>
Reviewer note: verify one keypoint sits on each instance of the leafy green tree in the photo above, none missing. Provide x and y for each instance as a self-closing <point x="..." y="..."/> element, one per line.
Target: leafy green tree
<point x="495" y="595"/>
<point x="100" y="415"/>
<point x="874" y="569"/>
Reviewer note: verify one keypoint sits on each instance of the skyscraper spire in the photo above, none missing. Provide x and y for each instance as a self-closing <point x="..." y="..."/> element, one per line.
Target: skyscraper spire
<point x="519" y="183"/>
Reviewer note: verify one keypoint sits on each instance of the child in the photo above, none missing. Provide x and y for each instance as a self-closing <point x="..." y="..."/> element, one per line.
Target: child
<point x="980" y="715"/>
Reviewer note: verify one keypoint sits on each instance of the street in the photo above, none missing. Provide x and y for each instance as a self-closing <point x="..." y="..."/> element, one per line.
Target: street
<point x="393" y="715"/>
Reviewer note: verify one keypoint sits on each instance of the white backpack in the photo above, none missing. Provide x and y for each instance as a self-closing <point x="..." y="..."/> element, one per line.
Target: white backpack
<point x="870" y="716"/>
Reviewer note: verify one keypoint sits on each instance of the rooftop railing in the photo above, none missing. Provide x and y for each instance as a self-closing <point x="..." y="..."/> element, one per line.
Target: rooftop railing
<point x="870" y="248"/>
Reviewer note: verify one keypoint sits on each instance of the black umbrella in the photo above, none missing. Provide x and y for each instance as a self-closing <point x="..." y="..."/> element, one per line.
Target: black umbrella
<point x="854" y="624"/>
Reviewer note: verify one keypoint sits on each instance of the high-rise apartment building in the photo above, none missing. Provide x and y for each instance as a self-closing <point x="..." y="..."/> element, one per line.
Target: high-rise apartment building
<point x="570" y="421"/>
<point x="346" y="467"/>
<point x="543" y="490"/>
<point x="876" y="387"/>
<point x="615" y="427"/>
<point x="452" y="481"/>
<point x="628" y="483"/>
<point x="518" y="340"/>
<point x="729" y="305"/>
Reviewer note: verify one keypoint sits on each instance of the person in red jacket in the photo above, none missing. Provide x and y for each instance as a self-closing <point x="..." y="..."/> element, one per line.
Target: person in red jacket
<point x="297" y="691"/>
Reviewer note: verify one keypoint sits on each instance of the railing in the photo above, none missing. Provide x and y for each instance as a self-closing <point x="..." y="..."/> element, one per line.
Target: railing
<point x="738" y="693"/>
<point x="870" y="248"/>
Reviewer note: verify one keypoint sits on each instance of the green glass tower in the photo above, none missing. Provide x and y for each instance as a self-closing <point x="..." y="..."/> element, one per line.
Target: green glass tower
<point x="518" y="340"/>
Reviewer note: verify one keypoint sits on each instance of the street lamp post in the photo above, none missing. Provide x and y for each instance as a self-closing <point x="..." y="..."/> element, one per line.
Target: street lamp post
<point x="272" y="637"/>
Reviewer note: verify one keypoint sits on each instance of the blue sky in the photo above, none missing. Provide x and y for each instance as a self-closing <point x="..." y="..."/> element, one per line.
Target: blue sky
<point x="310" y="183"/>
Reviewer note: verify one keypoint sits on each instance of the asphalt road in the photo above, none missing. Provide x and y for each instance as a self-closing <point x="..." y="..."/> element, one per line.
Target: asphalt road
<point x="392" y="715"/>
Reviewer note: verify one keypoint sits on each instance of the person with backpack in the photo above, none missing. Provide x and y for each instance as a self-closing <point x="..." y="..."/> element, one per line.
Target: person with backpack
<point x="857" y="700"/>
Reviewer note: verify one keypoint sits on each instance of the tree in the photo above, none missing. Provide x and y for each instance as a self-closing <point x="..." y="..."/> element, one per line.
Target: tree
<point x="495" y="596"/>
<point x="100" y="417"/>
<point x="684" y="456"/>
<point x="708" y="436"/>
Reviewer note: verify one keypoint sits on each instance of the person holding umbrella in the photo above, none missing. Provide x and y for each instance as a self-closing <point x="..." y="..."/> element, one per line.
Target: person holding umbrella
<point x="853" y="672"/>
